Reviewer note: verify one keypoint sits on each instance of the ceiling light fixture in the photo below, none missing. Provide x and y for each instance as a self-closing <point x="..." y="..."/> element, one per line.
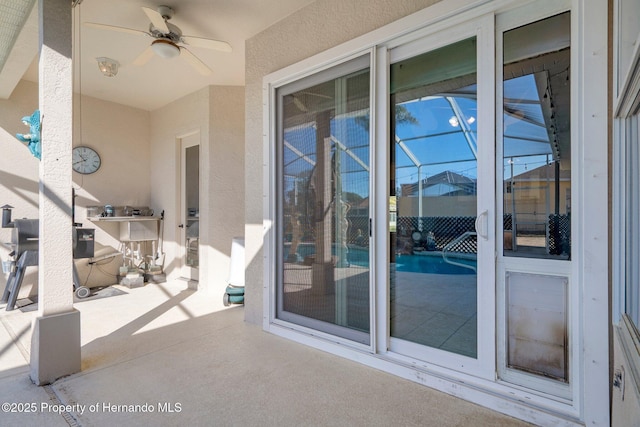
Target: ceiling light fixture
<point x="165" y="48"/>
<point x="108" y="66"/>
<point x="453" y="121"/>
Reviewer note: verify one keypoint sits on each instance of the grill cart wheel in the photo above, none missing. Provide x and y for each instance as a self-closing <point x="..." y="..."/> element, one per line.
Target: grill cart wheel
<point x="83" y="292"/>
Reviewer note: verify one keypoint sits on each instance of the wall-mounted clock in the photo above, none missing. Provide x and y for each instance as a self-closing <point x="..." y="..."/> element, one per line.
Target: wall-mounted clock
<point x="85" y="160"/>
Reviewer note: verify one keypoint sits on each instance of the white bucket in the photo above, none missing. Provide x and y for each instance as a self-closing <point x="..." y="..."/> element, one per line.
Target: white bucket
<point x="236" y="268"/>
<point x="7" y="266"/>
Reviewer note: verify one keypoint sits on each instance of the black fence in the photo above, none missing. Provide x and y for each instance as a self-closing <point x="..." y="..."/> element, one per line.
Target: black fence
<point x="560" y="234"/>
<point x="437" y="232"/>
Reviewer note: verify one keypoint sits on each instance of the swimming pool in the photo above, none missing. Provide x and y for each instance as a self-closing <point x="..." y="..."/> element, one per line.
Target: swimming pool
<point x="433" y="264"/>
<point x="355" y="255"/>
<point x="429" y="263"/>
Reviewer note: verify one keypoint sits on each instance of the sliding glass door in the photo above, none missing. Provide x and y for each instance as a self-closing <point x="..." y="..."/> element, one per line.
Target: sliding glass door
<point x="445" y="156"/>
<point x="441" y="191"/>
<point x="323" y="215"/>
<point x="434" y="182"/>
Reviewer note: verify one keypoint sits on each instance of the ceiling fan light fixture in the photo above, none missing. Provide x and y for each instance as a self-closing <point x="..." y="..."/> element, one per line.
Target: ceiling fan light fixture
<point x="165" y="48"/>
<point x="108" y="66"/>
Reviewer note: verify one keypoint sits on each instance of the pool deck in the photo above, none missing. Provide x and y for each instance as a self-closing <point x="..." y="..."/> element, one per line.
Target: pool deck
<point x="436" y="310"/>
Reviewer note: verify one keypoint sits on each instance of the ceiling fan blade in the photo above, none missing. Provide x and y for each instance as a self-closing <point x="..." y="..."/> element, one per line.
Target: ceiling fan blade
<point x="196" y="63"/>
<point x="300" y="104"/>
<point x="319" y="95"/>
<point x="207" y="43"/>
<point x="114" y="28"/>
<point x="144" y="57"/>
<point x="156" y="20"/>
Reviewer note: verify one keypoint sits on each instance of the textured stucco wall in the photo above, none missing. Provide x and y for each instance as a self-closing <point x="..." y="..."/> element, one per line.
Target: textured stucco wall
<point x="318" y="27"/>
<point x="217" y="112"/>
<point x="18" y="170"/>
<point x="56" y="107"/>
<point x="120" y="134"/>
<point x="226" y="182"/>
<point x="168" y="124"/>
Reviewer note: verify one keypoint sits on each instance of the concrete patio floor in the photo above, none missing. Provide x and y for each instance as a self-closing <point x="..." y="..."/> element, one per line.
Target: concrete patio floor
<point x="164" y="355"/>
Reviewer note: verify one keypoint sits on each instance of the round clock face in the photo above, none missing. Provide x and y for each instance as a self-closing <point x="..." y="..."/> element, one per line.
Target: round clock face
<point x="85" y="160"/>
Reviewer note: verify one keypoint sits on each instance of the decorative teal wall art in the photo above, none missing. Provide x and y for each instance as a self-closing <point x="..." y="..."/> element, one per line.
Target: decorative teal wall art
<point x="32" y="139"/>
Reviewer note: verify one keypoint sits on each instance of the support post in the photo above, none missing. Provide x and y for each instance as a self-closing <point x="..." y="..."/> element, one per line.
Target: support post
<point x="55" y="340"/>
<point x="322" y="282"/>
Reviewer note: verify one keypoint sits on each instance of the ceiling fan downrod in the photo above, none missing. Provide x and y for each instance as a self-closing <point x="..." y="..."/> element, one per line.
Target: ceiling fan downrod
<point x="166" y="12"/>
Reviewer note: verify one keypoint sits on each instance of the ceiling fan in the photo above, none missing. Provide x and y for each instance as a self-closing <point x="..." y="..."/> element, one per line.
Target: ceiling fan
<point x="168" y="41"/>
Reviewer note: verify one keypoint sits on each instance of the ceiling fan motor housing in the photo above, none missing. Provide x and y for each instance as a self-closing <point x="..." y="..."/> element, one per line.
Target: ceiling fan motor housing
<point x="174" y="34"/>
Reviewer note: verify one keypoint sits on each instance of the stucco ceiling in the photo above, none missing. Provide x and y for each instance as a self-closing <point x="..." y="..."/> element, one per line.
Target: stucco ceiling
<point x="159" y="81"/>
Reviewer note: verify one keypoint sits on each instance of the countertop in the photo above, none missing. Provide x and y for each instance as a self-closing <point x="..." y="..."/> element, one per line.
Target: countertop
<point x="123" y="218"/>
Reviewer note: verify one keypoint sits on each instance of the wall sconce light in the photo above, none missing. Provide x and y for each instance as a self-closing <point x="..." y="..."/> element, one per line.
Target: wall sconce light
<point x="108" y="66"/>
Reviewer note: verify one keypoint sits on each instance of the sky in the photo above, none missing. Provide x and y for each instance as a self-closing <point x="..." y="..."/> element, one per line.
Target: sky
<point x="436" y="139"/>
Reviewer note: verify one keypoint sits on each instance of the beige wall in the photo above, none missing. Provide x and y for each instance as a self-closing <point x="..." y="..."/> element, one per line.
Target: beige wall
<point x="532" y="197"/>
<point x="168" y="125"/>
<point x="319" y="26"/>
<point x="18" y="169"/>
<point x="120" y="135"/>
<point x="226" y="183"/>
<point x="217" y="113"/>
<point x="140" y="167"/>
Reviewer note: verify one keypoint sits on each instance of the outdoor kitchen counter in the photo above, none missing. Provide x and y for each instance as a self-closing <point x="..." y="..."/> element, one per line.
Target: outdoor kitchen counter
<point x="123" y="218"/>
<point x="133" y="228"/>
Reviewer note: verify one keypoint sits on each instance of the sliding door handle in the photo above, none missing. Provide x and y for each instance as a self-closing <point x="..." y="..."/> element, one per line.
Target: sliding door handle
<point x="482" y="224"/>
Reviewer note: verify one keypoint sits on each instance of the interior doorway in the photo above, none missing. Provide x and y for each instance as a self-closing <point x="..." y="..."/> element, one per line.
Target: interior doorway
<point x="190" y="206"/>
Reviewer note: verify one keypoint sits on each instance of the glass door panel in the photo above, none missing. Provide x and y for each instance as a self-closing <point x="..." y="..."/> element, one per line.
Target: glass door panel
<point x="190" y="205"/>
<point x="193" y="206"/>
<point x="537" y="140"/>
<point x="323" y="214"/>
<point x="434" y="176"/>
<point x="534" y="347"/>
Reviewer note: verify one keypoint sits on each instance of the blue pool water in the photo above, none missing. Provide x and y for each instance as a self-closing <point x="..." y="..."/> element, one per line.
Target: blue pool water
<point x="427" y="264"/>
<point x="432" y="264"/>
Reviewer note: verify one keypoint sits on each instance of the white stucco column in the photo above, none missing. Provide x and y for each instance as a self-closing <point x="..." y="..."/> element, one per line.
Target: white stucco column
<point x="55" y="342"/>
